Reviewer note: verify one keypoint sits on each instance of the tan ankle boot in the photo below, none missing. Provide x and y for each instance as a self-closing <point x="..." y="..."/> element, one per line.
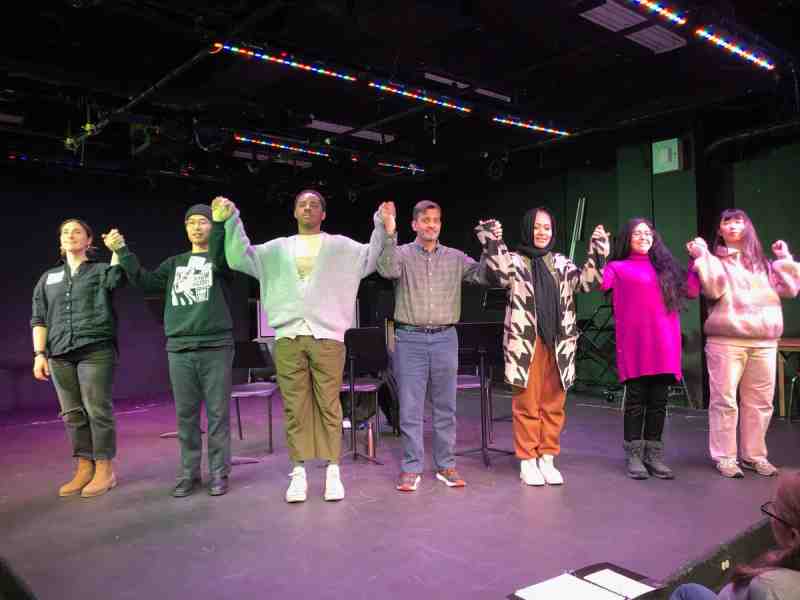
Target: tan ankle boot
<point x="103" y="480"/>
<point x="83" y="475"/>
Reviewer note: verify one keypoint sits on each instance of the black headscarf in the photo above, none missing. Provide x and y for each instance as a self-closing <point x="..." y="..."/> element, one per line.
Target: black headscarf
<point x="545" y="291"/>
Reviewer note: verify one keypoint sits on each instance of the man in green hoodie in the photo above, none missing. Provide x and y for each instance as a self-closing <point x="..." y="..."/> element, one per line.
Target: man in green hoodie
<point x="199" y="330"/>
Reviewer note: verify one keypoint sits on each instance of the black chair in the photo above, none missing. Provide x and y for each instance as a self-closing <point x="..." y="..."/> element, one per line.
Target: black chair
<point x="366" y="353"/>
<point x="485" y="340"/>
<point x="254" y="357"/>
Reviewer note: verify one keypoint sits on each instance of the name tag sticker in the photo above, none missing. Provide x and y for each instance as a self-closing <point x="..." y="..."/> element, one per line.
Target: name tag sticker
<point x="55" y="278"/>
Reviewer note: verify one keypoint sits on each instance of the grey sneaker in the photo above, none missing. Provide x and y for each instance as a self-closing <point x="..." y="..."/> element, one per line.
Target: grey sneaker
<point x="762" y="467"/>
<point x="729" y="468"/>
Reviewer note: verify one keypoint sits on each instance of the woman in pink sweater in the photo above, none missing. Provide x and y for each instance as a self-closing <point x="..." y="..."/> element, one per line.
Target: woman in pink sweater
<point x="744" y="324"/>
<point x="649" y="288"/>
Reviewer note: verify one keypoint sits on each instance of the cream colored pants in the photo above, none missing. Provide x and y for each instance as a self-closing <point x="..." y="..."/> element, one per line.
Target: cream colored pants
<point x="751" y="371"/>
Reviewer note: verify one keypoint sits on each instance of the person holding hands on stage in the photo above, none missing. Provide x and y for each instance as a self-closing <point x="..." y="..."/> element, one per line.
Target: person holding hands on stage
<point x="309" y="283"/>
<point x="427" y="279"/>
<point x="75" y="344"/>
<point x="197" y="322"/>
<point x="541" y="332"/>
<point x="744" y="324"/>
<point x="648" y="289"/>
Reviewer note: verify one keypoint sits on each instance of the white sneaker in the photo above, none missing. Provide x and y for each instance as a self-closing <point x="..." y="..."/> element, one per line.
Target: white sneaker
<point x="729" y="468"/>
<point x="761" y="466"/>
<point x="530" y="473"/>
<point x="334" y="490"/>
<point x="548" y="470"/>
<point x="298" y="486"/>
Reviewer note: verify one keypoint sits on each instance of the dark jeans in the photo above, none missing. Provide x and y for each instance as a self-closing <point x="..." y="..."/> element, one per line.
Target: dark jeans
<point x="692" y="591"/>
<point x="83" y="379"/>
<point x="646" y="406"/>
<point x="198" y="375"/>
<point x="422" y="360"/>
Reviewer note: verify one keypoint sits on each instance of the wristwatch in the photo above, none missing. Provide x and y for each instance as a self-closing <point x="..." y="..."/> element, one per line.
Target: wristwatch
<point x="38" y="352"/>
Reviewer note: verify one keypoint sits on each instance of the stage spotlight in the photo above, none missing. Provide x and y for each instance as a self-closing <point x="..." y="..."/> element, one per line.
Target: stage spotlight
<point x="496" y="169"/>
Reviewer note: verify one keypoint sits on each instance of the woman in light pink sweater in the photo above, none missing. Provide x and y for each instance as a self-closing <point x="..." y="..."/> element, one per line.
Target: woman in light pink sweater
<point x="744" y="324"/>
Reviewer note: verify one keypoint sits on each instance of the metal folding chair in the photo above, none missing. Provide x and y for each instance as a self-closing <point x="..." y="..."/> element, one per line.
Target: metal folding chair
<point x="254" y="357"/>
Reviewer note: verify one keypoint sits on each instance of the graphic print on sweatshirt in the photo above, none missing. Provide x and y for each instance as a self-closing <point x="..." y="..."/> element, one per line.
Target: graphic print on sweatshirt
<point x="192" y="282"/>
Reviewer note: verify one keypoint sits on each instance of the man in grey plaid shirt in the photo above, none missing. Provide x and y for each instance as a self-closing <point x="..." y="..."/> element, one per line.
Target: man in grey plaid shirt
<point x="427" y="281"/>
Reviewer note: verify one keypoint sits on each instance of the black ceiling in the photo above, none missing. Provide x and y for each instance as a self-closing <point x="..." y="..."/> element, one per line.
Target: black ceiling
<point x="69" y="63"/>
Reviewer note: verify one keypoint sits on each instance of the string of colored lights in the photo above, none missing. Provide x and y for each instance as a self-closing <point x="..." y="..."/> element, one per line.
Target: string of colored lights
<point x="655" y="7"/>
<point x="284" y="59"/>
<point x="528" y="125"/>
<point x="279" y="146"/>
<point x="422" y="96"/>
<point x="735" y="48"/>
<point x="411" y="167"/>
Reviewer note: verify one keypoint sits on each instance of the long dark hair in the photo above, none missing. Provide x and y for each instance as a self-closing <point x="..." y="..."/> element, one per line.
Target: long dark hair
<point x="753" y="257"/>
<point x="671" y="276"/>
<point x="787" y="507"/>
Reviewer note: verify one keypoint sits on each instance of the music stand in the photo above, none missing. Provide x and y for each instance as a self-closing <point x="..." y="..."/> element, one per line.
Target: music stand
<point x="596" y="344"/>
<point x="486" y="340"/>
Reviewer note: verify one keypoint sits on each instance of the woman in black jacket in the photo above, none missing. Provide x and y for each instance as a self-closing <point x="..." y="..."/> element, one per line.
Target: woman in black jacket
<point x="75" y="344"/>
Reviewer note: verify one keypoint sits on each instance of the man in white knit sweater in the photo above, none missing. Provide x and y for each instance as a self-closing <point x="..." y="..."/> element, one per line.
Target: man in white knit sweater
<point x="309" y="283"/>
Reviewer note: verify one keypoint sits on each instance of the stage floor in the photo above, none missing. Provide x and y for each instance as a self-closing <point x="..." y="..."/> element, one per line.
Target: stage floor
<point x="483" y="541"/>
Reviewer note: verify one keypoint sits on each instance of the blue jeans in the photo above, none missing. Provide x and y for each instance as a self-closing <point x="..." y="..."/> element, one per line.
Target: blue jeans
<point x="422" y="360"/>
<point x="692" y="591"/>
<point x="83" y="379"/>
<point x="197" y="376"/>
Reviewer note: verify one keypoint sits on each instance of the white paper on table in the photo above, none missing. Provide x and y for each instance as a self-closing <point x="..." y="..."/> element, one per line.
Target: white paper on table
<point x="616" y="582"/>
<point x="565" y="586"/>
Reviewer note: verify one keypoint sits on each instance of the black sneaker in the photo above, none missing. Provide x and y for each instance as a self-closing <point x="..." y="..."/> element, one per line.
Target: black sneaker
<point x="218" y="486"/>
<point x="185" y="487"/>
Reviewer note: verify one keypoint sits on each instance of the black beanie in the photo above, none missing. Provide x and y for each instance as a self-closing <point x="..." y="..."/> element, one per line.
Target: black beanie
<point x="198" y="209"/>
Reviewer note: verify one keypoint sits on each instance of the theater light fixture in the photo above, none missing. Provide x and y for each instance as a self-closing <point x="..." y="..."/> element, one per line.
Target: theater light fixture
<point x="280" y="145"/>
<point x="491" y="94"/>
<point x="365" y="134"/>
<point x="613" y="17"/>
<point x="446" y="81"/>
<point x="421" y="96"/>
<point x="734" y="47"/>
<point x="411" y="167"/>
<point x="657" y="38"/>
<point x="282" y="59"/>
<point x="657" y="8"/>
<point x="529" y="125"/>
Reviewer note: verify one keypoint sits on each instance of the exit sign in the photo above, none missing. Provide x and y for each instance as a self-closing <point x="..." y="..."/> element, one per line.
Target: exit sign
<point x="667" y="156"/>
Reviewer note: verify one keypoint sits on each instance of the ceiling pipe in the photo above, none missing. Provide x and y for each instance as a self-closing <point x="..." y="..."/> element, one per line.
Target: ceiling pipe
<point x="91" y="130"/>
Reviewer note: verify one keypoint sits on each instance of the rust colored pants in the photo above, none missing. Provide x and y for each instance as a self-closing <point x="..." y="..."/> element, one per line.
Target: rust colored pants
<point x="538" y="410"/>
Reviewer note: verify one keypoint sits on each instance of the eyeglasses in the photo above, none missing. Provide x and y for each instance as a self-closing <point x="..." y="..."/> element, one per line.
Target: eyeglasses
<point x="768" y="508"/>
<point x="642" y="234"/>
